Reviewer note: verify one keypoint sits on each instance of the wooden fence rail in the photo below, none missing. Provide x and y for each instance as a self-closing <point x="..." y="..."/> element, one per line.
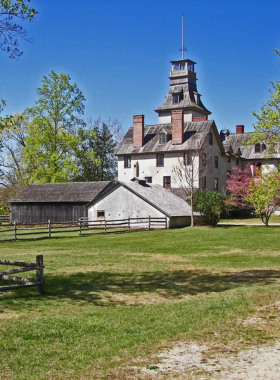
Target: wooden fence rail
<point x="23" y="282"/>
<point x="83" y="227"/>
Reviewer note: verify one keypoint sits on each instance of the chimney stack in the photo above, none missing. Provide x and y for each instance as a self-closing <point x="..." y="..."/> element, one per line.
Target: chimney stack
<point x="177" y="121"/>
<point x="239" y="129"/>
<point x="138" y="131"/>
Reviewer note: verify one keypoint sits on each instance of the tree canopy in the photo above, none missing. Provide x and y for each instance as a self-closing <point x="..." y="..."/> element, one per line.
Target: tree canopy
<point x="267" y="127"/>
<point x="11" y="13"/>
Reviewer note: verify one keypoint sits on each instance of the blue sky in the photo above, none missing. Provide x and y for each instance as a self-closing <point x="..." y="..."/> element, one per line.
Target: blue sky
<point x="119" y="52"/>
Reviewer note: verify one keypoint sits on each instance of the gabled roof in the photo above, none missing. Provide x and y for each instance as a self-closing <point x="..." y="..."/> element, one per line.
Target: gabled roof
<point x="195" y="134"/>
<point x="80" y="192"/>
<point x="157" y="196"/>
<point x="236" y="141"/>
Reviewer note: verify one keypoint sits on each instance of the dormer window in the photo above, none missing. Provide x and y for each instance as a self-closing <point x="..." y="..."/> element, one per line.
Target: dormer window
<point x="162" y="138"/>
<point x="259" y="148"/>
<point x="197" y="99"/>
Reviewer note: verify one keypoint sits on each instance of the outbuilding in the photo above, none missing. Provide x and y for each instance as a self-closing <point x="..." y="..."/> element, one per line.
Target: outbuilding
<point x="57" y="202"/>
<point x="138" y="199"/>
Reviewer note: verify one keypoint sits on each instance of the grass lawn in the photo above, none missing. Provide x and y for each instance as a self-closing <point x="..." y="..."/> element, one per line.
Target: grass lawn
<point x="112" y="301"/>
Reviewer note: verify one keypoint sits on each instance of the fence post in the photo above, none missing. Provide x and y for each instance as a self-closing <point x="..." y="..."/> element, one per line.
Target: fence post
<point x="128" y="220"/>
<point x="149" y="222"/>
<point x="166" y="222"/>
<point x="49" y="228"/>
<point x="105" y="227"/>
<point x="40" y="274"/>
<point x="15" y="230"/>
<point x="80" y="227"/>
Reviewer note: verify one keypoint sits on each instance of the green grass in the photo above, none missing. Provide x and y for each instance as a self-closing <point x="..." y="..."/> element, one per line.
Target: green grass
<point x="112" y="301"/>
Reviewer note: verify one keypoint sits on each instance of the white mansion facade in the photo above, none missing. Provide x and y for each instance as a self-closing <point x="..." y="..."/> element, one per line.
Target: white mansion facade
<point x="153" y="152"/>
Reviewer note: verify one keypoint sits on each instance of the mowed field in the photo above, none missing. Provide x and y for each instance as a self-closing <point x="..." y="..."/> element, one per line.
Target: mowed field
<point x="112" y="302"/>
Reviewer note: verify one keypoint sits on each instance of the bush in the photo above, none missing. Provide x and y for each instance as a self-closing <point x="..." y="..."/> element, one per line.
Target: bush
<point x="210" y="205"/>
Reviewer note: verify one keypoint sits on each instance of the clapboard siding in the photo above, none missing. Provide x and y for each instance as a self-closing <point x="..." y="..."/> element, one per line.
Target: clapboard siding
<point x="42" y="212"/>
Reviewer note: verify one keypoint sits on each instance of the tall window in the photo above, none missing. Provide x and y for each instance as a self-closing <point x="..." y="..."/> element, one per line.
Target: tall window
<point x="216" y="162"/>
<point x="127" y="161"/>
<point x="187" y="159"/>
<point x="176" y="98"/>
<point x="162" y="139"/>
<point x="203" y="159"/>
<point x="160" y="160"/>
<point x="215" y="183"/>
<point x="204" y="182"/>
<point x="167" y="182"/>
<point x="210" y="138"/>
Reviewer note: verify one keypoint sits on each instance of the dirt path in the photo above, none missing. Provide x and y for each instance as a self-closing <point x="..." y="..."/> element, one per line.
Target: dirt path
<point x="194" y="362"/>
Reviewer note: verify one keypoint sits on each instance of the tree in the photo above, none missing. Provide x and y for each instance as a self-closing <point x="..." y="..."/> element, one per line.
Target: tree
<point x="210" y="205"/>
<point x="101" y="138"/>
<point x="13" y="136"/>
<point x="53" y="137"/>
<point x="237" y="187"/>
<point x="267" y="127"/>
<point x="188" y="172"/>
<point x="263" y="193"/>
<point x="12" y="11"/>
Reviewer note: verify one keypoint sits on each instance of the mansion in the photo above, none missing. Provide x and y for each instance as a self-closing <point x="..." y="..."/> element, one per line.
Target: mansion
<point x="185" y="139"/>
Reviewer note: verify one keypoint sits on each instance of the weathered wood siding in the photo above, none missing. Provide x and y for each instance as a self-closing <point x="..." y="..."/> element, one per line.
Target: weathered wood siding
<point x="42" y="212"/>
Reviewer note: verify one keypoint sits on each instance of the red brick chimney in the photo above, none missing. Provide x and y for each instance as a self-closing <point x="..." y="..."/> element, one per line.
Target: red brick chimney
<point x="239" y="129"/>
<point x="177" y="121"/>
<point x="138" y="131"/>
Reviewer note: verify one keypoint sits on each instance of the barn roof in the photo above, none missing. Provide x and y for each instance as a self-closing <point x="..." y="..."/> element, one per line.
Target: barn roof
<point x="80" y="192"/>
<point x="195" y="134"/>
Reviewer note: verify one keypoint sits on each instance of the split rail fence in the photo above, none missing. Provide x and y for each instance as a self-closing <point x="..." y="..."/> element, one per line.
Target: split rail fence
<point x="82" y="227"/>
<point x="23" y="282"/>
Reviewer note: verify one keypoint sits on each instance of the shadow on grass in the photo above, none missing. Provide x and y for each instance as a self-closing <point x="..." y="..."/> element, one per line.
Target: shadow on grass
<point x="90" y="286"/>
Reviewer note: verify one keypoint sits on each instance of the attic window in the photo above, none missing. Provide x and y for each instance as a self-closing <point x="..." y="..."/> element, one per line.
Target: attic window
<point x="176" y="98"/>
<point x="127" y="161"/>
<point x="162" y="138"/>
<point x="210" y="138"/>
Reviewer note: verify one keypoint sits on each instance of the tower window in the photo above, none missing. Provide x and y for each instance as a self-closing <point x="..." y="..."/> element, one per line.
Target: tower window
<point x="191" y="67"/>
<point x="176" y="99"/>
<point x="179" y="66"/>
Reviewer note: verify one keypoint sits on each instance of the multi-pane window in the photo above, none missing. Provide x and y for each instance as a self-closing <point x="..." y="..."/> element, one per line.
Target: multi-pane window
<point x="176" y="98"/>
<point x="210" y="138"/>
<point x="215" y="183"/>
<point x="167" y="182"/>
<point x="259" y="148"/>
<point x="127" y="161"/>
<point x="216" y="162"/>
<point x="162" y="138"/>
<point x="160" y="159"/>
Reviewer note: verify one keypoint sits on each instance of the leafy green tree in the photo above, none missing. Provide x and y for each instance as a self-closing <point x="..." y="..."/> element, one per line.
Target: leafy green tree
<point x="13" y="136"/>
<point x="263" y="193"/>
<point x="210" y="205"/>
<point x="12" y="12"/>
<point x="267" y="127"/>
<point x="53" y="137"/>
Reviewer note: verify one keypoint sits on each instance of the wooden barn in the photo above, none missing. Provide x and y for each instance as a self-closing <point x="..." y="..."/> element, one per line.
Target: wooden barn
<point x="57" y="202"/>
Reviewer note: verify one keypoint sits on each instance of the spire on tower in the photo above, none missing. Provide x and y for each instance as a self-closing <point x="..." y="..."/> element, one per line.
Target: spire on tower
<point x="183" y="47"/>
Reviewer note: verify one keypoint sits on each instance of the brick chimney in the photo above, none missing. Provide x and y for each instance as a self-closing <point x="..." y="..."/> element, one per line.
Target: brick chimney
<point x="138" y="131"/>
<point x="239" y="129"/>
<point x="177" y="121"/>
